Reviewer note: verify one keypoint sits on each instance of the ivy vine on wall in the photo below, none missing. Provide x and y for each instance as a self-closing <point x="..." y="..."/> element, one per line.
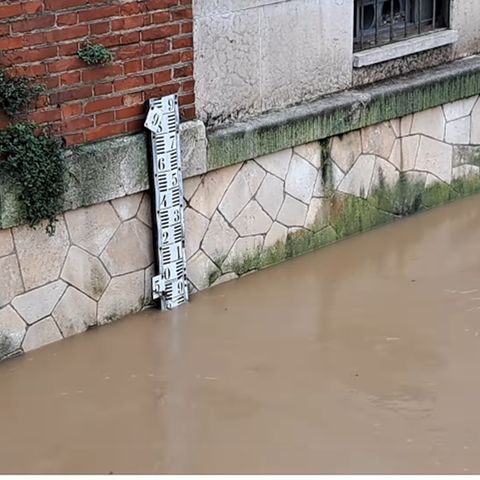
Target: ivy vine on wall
<point x="30" y="156"/>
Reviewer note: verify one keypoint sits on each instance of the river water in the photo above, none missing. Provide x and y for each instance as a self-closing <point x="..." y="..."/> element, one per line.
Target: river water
<point x="360" y="358"/>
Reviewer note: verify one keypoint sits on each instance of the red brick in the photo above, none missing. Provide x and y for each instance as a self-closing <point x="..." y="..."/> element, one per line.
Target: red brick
<point x="129" y="112"/>
<point x="162" y="77"/>
<point x="182" y="72"/>
<point x="99" y="73"/>
<point x="133" y="66"/>
<point x="132" y="82"/>
<point x="72" y="94"/>
<point x="99" y="28"/>
<point x="65" y="64"/>
<point x="161" y="61"/>
<point x="63" y="4"/>
<point x="74" y="139"/>
<point x="10" y="43"/>
<point x="135" y="125"/>
<point x="71" y="110"/>
<point x="105" y="117"/>
<point x="160" y="32"/>
<point x="79" y="123"/>
<point x="160" y="4"/>
<point x="46" y="116"/>
<point x="70" y="78"/>
<point x="9" y="11"/>
<point x="67" y="19"/>
<point x="32" y="6"/>
<point x="133" y="99"/>
<point x="98" y="13"/>
<point x="34" y="55"/>
<point x="182" y="42"/>
<point x="127" y="23"/>
<point x="182" y="14"/>
<point x="103" y="88"/>
<point x="102" y="104"/>
<point x="36" y="23"/>
<point x="105" y="131"/>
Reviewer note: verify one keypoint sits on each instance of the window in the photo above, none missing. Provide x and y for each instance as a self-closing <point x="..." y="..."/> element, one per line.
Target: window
<point x="378" y="22"/>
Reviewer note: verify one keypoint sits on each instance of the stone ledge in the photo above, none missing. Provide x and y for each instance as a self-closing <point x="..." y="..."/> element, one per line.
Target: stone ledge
<point x="343" y="112"/>
<point x="110" y="169"/>
<point x="405" y="47"/>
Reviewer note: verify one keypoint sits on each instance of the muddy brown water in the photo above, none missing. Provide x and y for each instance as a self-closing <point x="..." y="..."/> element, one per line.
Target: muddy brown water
<point x="360" y="358"/>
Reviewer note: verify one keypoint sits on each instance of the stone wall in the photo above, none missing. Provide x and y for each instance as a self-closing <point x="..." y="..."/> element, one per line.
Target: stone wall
<point x="240" y="218"/>
<point x="247" y="216"/>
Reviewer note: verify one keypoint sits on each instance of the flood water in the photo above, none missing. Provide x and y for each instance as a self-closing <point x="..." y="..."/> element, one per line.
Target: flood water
<point x="360" y="358"/>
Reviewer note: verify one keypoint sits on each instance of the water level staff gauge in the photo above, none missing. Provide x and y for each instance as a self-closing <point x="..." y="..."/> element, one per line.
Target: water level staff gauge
<point x="169" y="287"/>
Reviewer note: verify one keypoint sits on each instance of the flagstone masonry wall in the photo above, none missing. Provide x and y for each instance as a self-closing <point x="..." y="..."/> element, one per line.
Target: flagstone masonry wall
<point x="241" y="218"/>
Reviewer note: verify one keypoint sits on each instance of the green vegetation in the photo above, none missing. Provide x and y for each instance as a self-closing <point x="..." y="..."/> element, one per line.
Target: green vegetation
<point x="34" y="161"/>
<point x="95" y="54"/>
<point x="17" y="93"/>
<point x="349" y="215"/>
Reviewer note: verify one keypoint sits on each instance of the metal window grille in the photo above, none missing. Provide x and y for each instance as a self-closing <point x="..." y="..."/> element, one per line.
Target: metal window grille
<point x="378" y="22"/>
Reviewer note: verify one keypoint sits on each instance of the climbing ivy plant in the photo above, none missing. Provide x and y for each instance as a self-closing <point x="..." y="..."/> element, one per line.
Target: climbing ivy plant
<point x="95" y="54"/>
<point x="17" y="93"/>
<point x="34" y="160"/>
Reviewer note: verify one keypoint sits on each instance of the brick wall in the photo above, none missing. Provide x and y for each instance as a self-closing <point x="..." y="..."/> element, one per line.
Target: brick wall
<point x="153" y="48"/>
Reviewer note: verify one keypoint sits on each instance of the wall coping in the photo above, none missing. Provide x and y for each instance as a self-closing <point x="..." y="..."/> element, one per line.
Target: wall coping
<point x="343" y="112"/>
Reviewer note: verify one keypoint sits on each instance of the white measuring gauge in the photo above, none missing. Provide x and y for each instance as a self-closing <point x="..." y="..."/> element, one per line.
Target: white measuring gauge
<point x="169" y="287"/>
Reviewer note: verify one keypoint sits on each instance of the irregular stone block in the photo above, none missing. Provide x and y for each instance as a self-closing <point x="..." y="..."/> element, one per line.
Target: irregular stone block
<point x="124" y="295"/>
<point x="219" y="238"/>
<point x="465" y="171"/>
<point x="242" y="189"/>
<point x="212" y="189"/>
<point x="300" y="180"/>
<point x="378" y="139"/>
<point x="465" y="154"/>
<point x="11" y="281"/>
<point x="317" y="215"/>
<point x="277" y="233"/>
<point x="276" y="163"/>
<point x="75" y="312"/>
<point x="12" y="331"/>
<point x="190" y="186"/>
<point x="195" y="225"/>
<point x="225" y="278"/>
<point x="311" y="152"/>
<point x="435" y="157"/>
<point x="458" y="131"/>
<point x="85" y="272"/>
<point x="130" y="249"/>
<point x="396" y="156"/>
<point x="41" y="257"/>
<point x="459" y="109"/>
<point x="199" y="270"/>
<point x="429" y="122"/>
<point x="346" y="149"/>
<point x="127" y="207"/>
<point x="41" y="334"/>
<point x="475" y="129"/>
<point x="409" y="152"/>
<point x="270" y="195"/>
<point x="6" y="243"/>
<point x="149" y="274"/>
<point x="91" y="228"/>
<point x="144" y="213"/>
<point x="39" y="303"/>
<point x="242" y="248"/>
<point x="386" y="171"/>
<point x="252" y="220"/>
<point x="293" y="212"/>
<point x="358" y="179"/>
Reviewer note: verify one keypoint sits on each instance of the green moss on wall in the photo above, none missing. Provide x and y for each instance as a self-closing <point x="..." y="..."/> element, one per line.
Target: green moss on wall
<point x="349" y="215"/>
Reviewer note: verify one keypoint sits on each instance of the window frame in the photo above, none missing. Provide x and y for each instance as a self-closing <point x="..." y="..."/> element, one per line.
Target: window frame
<point x="392" y="21"/>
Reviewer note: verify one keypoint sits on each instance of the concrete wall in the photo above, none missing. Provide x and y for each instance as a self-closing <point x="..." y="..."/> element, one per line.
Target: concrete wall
<point x="252" y="56"/>
<point x="465" y="17"/>
<point x="255" y="55"/>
